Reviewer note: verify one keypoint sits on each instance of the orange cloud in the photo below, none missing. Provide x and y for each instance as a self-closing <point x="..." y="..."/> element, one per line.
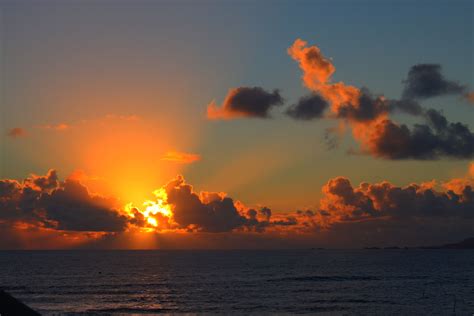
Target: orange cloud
<point x="16" y="132"/>
<point x="470" y="97"/>
<point x="57" y="127"/>
<point x="181" y="157"/>
<point x="458" y="185"/>
<point x="368" y="115"/>
<point x="317" y="73"/>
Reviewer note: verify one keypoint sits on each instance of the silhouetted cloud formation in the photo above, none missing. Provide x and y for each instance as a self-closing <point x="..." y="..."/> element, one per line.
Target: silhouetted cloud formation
<point x="308" y="108"/>
<point x="369" y="201"/>
<point x="216" y="214"/>
<point x="438" y="138"/>
<point x="71" y="207"/>
<point x="426" y="81"/>
<point x="16" y="132"/>
<point x="245" y="102"/>
<point x="214" y="211"/>
<point x="50" y="203"/>
<point x="346" y="213"/>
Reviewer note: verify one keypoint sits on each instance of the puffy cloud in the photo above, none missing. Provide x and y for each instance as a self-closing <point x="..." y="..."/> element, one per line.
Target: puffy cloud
<point x="308" y="108"/>
<point x="266" y="213"/>
<point x="458" y="185"/>
<point x="245" y="102"/>
<point x="317" y="73"/>
<point x="16" y="132"/>
<point x="348" y="215"/>
<point x="47" y="202"/>
<point x="370" y="201"/>
<point x="426" y="81"/>
<point x="72" y="207"/>
<point x="180" y="157"/>
<point x="367" y="108"/>
<point x="216" y="214"/>
<point x="43" y="183"/>
<point x="209" y="211"/>
<point x="433" y="140"/>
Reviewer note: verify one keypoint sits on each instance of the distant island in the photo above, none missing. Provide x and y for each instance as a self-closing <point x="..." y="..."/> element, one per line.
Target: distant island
<point x="467" y="243"/>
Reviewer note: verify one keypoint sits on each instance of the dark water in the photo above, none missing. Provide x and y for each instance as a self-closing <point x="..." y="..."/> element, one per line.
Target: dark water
<point x="332" y="282"/>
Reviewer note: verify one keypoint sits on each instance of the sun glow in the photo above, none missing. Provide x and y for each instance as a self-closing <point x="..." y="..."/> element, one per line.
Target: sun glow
<point x="156" y="213"/>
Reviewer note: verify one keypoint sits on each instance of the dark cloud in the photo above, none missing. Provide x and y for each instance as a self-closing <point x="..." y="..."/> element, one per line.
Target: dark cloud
<point x="438" y="138"/>
<point x="367" y="108"/>
<point x="245" y="102"/>
<point x="42" y="183"/>
<point x="71" y="207"/>
<point x="426" y="80"/>
<point x="347" y="203"/>
<point x="407" y="106"/>
<point x="216" y="214"/>
<point x="48" y="202"/>
<point x="16" y="132"/>
<point x="308" y="108"/>
<point x="266" y="213"/>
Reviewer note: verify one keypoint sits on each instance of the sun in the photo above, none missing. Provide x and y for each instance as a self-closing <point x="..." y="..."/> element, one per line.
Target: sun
<point x="157" y="213"/>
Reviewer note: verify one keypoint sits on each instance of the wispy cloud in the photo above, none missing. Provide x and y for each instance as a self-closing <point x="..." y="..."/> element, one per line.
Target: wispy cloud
<point x="16" y="132"/>
<point x="181" y="157"/>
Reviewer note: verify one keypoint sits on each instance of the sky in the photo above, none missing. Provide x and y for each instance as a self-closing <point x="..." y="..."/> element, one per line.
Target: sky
<point x="283" y="105"/>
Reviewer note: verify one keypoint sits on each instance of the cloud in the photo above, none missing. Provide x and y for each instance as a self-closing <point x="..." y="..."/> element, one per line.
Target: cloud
<point x="212" y="213"/>
<point x="308" y="108"/>
<point x="469" y="97"/>
<point x="384" y="200"/>
<point x="62" y="126"/>
<point x="245" y="102"/>
<point x="180" y="157"/>
<point x="426" y="81"/>
<point x="56" y="127"/>
<point x="458" y="185"/>
<point x="46" y="202"/>
<point x="347" y="215"/>
<point x="16" y="132"/>
<point x="317" y="73"/>
<point x="368" y="115"/>
<point x="71" y="207"/>
<point x="438" y="138"/>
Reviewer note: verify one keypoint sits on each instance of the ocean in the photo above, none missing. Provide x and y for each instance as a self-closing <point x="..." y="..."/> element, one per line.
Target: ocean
<point x="322" y="282"/>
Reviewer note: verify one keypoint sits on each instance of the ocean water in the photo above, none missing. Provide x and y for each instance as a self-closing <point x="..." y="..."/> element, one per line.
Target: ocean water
<point x="325" y="282"/>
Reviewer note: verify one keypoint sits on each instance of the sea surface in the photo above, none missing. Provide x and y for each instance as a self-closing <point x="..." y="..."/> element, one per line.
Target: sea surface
<point x="325" y="282"/>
